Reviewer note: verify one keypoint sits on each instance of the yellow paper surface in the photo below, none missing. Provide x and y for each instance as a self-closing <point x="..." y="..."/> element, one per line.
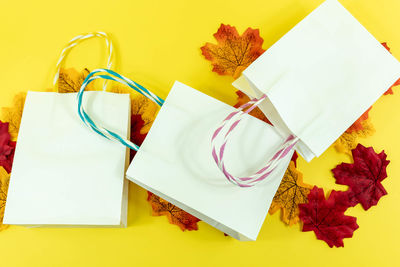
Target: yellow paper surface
<point x="158" y="42"/>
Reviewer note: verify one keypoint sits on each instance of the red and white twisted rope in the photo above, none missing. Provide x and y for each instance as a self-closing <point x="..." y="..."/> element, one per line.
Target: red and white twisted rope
<point x="219" y="144"/>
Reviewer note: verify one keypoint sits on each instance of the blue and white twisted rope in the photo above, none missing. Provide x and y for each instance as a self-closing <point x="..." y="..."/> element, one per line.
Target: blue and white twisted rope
<point x="111" y="75"/>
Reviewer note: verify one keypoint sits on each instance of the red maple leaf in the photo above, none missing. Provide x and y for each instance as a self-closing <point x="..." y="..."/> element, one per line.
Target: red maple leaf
<point x="137" y="138"/>
<point x="326" y="217"/>
<point x="390" y="91"/>
<point x="7" y="147"/>
<point x="234" y="52"/>
<point x="294" y="158"/>
<point x="363" y="177"/>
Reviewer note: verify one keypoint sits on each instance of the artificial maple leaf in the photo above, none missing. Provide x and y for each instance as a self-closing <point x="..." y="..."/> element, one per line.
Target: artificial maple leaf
<point x="175" y="215"/>
<point x="326" y="217"/>
<point x="364" y="176"/>
<point x="294" y="158"/>
<point x="13" y="115"/>
<point x="147" y="109"/>
<point x="140" y="105"/>
<point x="7" y="147"/>
<point x="242" y="98"/>
<point x="291" y="192"/>
<point x="390" y="91"/>
<point x="137" y="137"/>
<point x="386" y="46"/>
<point x="143" y="113"/>
<point x="233" y="53"/>
<point x="4" y="181"/>
<point x="70" y="80"/>
<point x="348" y="141"/>
<point x="358" y="124"/>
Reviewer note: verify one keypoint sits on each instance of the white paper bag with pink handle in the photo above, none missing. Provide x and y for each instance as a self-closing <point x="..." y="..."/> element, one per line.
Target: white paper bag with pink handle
<point x="320" y="77"/>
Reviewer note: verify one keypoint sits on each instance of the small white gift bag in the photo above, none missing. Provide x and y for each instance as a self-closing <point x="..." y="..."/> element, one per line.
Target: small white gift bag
<point x="320" y="77"/>
<point x="176" y="162"/>
<point x="63" y="174"/>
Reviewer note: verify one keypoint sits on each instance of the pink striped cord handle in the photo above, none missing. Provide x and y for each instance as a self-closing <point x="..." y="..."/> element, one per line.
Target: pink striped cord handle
<point x="219" y="144"/>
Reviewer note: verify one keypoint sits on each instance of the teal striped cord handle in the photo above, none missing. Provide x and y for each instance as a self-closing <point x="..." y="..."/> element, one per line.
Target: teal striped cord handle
<point x="111" y="75"/>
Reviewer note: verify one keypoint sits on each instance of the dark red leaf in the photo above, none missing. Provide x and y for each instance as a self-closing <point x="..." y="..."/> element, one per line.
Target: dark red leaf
<point x="7" y="147"/>
<point x="326" y="217"/>
<point x="137" y="138"/>
<point x="364" y="176"/>
<point x="294" y="158"/>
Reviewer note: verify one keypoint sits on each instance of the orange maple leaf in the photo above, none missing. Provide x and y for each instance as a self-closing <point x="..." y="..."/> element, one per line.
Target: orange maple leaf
<point x="349" y="140"/>
<point x="234" y="52"/>
<point x="175" y="215"/>
<point x="390" y="91"/>
<point x="242" y="98"/>
<point x="358" y="125"/>
<point x="291" y="192"/>
<point x="140" y="105"/>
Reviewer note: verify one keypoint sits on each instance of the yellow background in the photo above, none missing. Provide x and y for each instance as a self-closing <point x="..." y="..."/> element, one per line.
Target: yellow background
<point x="158" y="42"/>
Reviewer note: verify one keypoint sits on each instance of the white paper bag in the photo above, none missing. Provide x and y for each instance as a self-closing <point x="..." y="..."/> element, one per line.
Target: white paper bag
<point x="320" y="77"/>
<point x="64" y="174"/>
<point x="175" y="162"/>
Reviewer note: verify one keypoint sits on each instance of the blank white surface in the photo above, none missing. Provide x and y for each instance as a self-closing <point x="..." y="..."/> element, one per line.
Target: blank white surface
<point x="64" y="173"/>
<point x="175" y="162"/>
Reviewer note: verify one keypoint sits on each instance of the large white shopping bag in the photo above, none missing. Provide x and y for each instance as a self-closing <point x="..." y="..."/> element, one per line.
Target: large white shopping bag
<point x="176" y="162"/>
<point x="320" y="77"/>
<point x="63" y="174"/>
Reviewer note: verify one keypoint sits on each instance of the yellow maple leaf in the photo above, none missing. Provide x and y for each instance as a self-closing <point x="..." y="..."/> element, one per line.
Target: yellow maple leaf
<point x="4" y="181"/>
<point x="70" y="80"/>
<point x="140" y="105"/>
<point x="13" y="114"/>
<point x="349" y="140"/>
<point x="291" y="192"/>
